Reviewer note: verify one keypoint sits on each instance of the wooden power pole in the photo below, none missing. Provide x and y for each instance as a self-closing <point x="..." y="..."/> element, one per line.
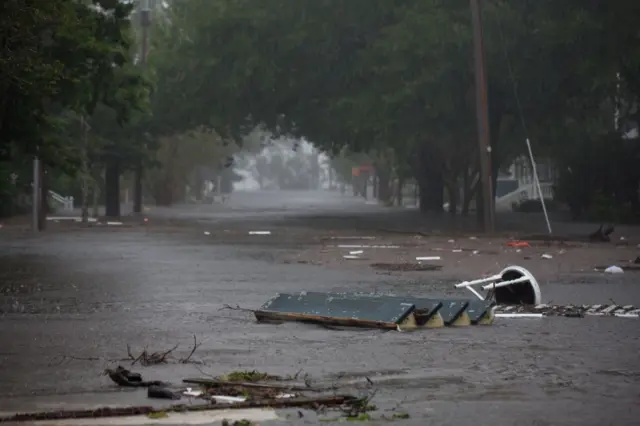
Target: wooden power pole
<point x="482" y="117"/>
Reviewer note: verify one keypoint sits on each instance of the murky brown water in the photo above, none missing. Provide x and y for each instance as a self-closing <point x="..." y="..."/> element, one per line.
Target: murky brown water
<point x="89" y="294"/>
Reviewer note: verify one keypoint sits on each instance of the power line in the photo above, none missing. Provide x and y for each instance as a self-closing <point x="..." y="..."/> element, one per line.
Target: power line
<point x="516" y="95"/>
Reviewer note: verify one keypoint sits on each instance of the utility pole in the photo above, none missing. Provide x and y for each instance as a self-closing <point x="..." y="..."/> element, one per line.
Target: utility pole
<point x="145" y="23"/>
<point x="85" y="169"/>
<point x="482" y="115"/>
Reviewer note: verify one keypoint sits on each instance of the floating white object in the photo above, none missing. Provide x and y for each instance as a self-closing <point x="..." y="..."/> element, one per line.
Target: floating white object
<point x="546" y="256"/>
<point x="356" y="252"/>
<point x="614" y="270"/>
<point x="351" y="257"/>
<point x="428" y="258"/>
<point x="114" y="223"/>
<point x="207" y="233"/>
<point x="285" y="395"/>
<point x="228" y="399"/>
<point x="456" y="251"/>
<point x="191" y="392"/>
<point x="476" y="251"/>
<point x="452" y="241"/>
<point x="627" y="315"/>
<point x="259" y="232"/>
<point x="519" y="315"/>
<point x="473" y="238"/>
<point x="511" y="280"/>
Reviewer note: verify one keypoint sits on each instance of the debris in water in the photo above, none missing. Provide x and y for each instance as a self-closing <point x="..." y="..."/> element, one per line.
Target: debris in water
<point x="546" y="256"/>
<point x="614" y="270"/>
<point x="351" y="257"/>
<point x="428" y="258"/>
<point x="286" y="395"/>
<point x="224" y="399"/>
<point x="126" y="378"/>
<point x="207" y="233"/>
<point x="356" y="252"/>
<point x="161" y="392"/>
<point x="518" y="244"/>
<point x="259" y="232"/>
<point x="102" y="412"/>
<point x="191" y="392"/>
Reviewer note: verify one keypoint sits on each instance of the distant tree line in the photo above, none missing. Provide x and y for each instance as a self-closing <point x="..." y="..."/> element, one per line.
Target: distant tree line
<point x="392" y="80"/>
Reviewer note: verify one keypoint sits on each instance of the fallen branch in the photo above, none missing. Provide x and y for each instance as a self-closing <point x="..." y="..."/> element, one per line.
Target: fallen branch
<point x="146" y="359"/>
<point x="213" y="383"/>
<point x="237" y="308"/>
<point x="126" y="378"/>
<point x="196" y="345"/>
<point x="179" y="408"/>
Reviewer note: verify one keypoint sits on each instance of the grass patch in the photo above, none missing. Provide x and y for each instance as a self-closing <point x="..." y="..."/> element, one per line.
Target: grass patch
<point x="248" y="376"/>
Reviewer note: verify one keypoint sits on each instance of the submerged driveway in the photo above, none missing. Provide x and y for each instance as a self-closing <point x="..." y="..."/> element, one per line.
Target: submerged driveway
<point x="88" y="293"/>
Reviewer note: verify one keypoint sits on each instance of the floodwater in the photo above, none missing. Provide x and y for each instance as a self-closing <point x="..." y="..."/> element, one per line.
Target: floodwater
<point x="90" y="293"/>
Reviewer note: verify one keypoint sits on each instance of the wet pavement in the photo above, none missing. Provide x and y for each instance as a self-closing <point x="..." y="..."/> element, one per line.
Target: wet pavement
<point x="88" y="293"/>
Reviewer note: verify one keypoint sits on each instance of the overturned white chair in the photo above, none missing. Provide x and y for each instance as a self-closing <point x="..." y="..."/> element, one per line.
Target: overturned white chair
<point x="514" y="285"/>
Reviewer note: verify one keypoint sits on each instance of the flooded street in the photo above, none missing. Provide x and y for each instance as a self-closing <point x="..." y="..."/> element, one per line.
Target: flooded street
<point x="68" y="296"/>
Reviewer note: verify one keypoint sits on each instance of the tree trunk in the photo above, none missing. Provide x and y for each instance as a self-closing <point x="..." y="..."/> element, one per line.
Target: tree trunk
<point x="85" y="171"/>
<point x="453" y="193"/>
<point x="44" y="198"/>
<point x="365" y="185"/>
<point x="164" y="192"/>
<point x="112" y="188"/>
<point x="383" y="188"/>
<point x="85" y="196"/>
<point x="376" y="186"/>
<point x="96" y="197"/>
<point x="198" y="188"/>
<point x="431" y="193"/>
<point x="469" y="190"/>
<point x="399" y="193"/>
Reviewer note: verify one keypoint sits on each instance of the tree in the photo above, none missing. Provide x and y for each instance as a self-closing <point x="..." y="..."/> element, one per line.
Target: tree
<point x="395" y="79"/>
<point x="185" y="159"/>
<point x="58" y="57"/>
